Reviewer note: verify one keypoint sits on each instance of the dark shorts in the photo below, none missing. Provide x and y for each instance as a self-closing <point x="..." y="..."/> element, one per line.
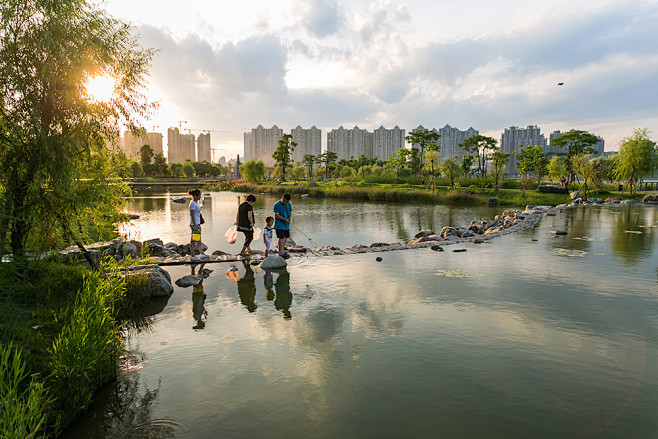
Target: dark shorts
<point x="280" y="233"/>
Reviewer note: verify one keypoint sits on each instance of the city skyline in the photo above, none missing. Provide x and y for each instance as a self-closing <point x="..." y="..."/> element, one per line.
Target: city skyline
<point x="331" y="63"/>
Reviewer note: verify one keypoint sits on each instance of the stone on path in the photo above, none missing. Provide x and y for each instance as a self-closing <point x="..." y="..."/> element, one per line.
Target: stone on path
<point x="273" y="262"/>
<point x="459" y="250"/>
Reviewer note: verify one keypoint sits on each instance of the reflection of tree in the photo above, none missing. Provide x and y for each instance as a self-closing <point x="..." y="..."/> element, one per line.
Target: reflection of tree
<point x="123" y="411"/>
<point x="631" y="246"/>
<point x="247" y="288"/>
<point x="142" y="319"/>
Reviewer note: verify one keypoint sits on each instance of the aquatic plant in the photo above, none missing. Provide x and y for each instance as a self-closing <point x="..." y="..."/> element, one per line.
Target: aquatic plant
<point x="22" y="408"/>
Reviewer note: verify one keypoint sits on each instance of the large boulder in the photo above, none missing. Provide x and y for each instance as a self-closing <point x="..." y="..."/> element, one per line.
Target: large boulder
<point x="273" y="262"/>
<point x="613" y="200"/>
<point x="449" y="231"/>
<point x="551" y="188"/>
<point x="158" y="280"/>
<point x="424" y="233"/>
<point x="424" y="239"/>
<point x="650" y="199"/>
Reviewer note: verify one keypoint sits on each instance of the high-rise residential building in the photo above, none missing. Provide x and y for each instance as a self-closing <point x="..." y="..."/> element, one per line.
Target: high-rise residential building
<point x="262" y="144"/>
<point x="131" y="144"/>
<point x="203" y="148"/>
<point x="387" y="142"/>
<point x="450" y="139"/>
<point x="180" y="147"/>
<point x="513" y="138"/>
<point x="309" y="142"/>
<point x="350" y="143"/>
<point x="554" y="149"/>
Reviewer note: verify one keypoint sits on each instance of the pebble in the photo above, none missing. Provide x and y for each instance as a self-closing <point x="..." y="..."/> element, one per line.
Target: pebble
<point x="459" y="250"/>
<point x="378" y="259"/>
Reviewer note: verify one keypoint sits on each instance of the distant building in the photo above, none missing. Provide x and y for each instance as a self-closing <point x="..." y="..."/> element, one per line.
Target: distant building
<point x="180" y="147"/>
<point x="203" y="148"/>
<point x="387" y="142"/>
<point x="131" y="145"/>
<point x="554" y="149"/>
<point x="450" y="139"/>
<point x="309" y="142"/>
<point x="350" y="143"/>
<point x="513" y="138"/>
<point x="262" y="144"/>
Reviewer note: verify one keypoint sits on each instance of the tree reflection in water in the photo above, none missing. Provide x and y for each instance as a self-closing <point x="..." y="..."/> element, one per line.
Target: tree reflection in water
<point x="127" y="413"/>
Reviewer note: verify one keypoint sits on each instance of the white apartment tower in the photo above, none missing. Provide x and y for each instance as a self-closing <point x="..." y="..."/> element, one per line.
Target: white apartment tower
<point x="350" y="143"/>
<point x="180" y="147"/>
<point x="387" y="142"/>
<point x="513" y="138"/>
<point x="131" y="145"/>
<point x="309" y="142"/>
<point x="262" y="144"/>
<point x="450" y="139"/>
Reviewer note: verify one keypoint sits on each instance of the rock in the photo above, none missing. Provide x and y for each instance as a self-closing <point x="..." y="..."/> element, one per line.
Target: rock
<point x="628" y="202"/>
<point x="596" y="200"/>
<point x="550" y="214"/>
<point x="477" y="228"/>
<point x="207" y="194"/>
<point x="133" y="216"/>
<point x="437" y="248"/>
<point x="424" y="239"/>
<point x="378" y="244"/>
<point x="189" y="281"/>
<point x="159" y="281"/>
<point x="296" y="249"/>
<point x="574" y="195"/>
<point x="378" y="259"/>
<point x="468" y="234"/>
<point x="179" y="199"/>
<point x="559" y="232"/>
<point x="156" y="241"/>
<point x="533" y="239"/>
<point x="424" y="233"/>
<point x="219" y="253"/>
<point x="650" y="199"/>
<point x="451" y="238"/>
<point x="551" y="188"/>
<point x="449" y="231"/>
<point x="273" y="262"/>
<point x="613" y="200"/>
<point x="478" y="241"/>
<point x="129" y="249"/>
<point x="459" y="250"/>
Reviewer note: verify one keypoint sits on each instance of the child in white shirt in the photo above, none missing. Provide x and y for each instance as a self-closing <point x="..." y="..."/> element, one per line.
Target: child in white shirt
<point x="267" y="234"/>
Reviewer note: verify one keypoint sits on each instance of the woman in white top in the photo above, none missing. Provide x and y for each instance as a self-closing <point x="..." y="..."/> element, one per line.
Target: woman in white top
<point x="195" y="223"/>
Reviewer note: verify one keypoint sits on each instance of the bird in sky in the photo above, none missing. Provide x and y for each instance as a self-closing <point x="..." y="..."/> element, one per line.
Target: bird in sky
<point x="560" y="83"/>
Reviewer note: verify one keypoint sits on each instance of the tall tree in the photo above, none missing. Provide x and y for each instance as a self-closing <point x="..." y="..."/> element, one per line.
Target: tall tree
<point x="432" y="164"/>
<point x="637" y="157"/>
<point x="160" y="165"/>
<point x="421" y="139"/>
<point x="282" y="155"/>
<point x="482" y="147"/>
<point x="498" y="161"/>
<point x="577" y="143"/>
<point x="556" y="168"/>
<point x="146" y="159"/>
<point x="327" y="158"/>
<point x="253" y="170"/>
<point x="54" y="123"/>
<point x="532" y="160"/>
<point x="309" y="160"/>
<point x="466" y="164"/>
<point x="450" y="168"/>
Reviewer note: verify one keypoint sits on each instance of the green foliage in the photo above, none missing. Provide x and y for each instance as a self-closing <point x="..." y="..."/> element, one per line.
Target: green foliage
<point x="466" y="164"/>
<point x="146" y="159"/>
<point x="188" y="169"/>
<point x="176" y="169"/>
<point x="637" y="158"/>
<point x="309" y="160"/>
<point x="327" y="158"/>
<point x="532" y="160"/>
<point x="576" y="142"/>
<point x="283" y="153"/>
<point x="83" y="355"/>
<point x="54" y="162"/>
<point x="253" y="170"/>
<point x="136" y="169"/>
<point x="23" y="410"/>
<point x="424" y="139"/>
<point x="298" y="173"/>
<point x="556" y="168"/>
<point x="460" y="198"/>
<point x="450" y="169"/>
<point x="498" y="159"/>
<point x="160" y="165"/>
<point x="207" y="169"/>
<point x="482" y="147"/>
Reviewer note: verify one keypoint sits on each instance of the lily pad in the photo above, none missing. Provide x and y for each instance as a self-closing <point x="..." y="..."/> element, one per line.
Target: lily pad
<point x="569" y="252"/>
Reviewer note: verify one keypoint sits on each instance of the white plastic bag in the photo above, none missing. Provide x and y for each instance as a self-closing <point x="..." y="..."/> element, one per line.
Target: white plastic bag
<point x="231" y="234"/>
<point x="257" y="232"/>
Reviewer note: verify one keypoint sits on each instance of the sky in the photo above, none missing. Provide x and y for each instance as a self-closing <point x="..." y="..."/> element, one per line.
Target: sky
<point x="229" y="66"/>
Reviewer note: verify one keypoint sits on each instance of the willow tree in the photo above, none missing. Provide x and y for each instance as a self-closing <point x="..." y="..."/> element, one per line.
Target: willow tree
<point x="637" y="158"/>
<point x="55" y="163"/>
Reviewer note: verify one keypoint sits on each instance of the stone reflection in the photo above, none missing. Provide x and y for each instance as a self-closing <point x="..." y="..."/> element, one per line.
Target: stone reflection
<point x="127" y="412"/>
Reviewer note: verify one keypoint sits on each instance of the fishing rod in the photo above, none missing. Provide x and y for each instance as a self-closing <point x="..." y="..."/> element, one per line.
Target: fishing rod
<point x="307" y="237"/>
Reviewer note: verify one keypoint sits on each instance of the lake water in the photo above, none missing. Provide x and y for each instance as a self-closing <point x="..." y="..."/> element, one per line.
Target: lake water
<point x="526" y="335"/>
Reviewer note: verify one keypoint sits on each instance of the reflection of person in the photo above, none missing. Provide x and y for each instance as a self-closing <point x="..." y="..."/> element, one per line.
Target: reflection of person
<point x="268" y="281"/>
<point x="267" y="234"/>
<point x="198" y="310"/>
<point x="247" y="288"/>
<point x="245" y="222"/>
<point x="283" y="300"/>
<point x="282" y="216"/>
<point x="195" y="223"/>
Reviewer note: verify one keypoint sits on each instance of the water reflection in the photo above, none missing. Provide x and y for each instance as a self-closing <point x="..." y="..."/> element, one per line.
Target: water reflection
<point x="633" y="237"/>
<point x="283" y="299"/>
<point x="247" y="288"/>
<point x="127" y="412"/>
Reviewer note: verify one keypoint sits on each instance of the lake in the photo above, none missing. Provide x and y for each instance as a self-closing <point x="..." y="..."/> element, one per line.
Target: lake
<point x="527" y="335"/>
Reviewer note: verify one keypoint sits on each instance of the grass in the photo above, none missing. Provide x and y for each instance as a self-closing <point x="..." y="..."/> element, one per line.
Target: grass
<point x="62" y="322"/>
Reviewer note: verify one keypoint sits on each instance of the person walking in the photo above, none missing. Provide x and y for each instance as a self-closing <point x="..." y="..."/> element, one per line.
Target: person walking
<point x="282" y="216"/>
<point x="245" y="222"/>
<point x="195" y="225"/>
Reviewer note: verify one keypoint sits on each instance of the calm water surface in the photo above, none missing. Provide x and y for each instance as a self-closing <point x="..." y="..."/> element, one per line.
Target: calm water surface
<point x="528" y="335"/>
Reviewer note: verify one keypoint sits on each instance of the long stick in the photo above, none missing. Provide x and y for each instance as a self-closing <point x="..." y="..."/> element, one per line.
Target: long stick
<point x="307" y="237"/>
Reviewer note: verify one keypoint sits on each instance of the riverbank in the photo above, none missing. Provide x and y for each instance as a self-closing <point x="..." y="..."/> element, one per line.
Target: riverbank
<point x="413" y="194"/>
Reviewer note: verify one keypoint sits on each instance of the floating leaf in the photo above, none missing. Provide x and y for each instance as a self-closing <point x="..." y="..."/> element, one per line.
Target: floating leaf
<point x="569" y="252"/>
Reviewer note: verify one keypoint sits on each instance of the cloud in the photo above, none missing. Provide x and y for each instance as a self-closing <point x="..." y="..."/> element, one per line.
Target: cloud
<point x="320" y="18"/>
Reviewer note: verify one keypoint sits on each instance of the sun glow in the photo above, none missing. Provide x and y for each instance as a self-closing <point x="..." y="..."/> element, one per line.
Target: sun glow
<point x="100" y="88"/>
